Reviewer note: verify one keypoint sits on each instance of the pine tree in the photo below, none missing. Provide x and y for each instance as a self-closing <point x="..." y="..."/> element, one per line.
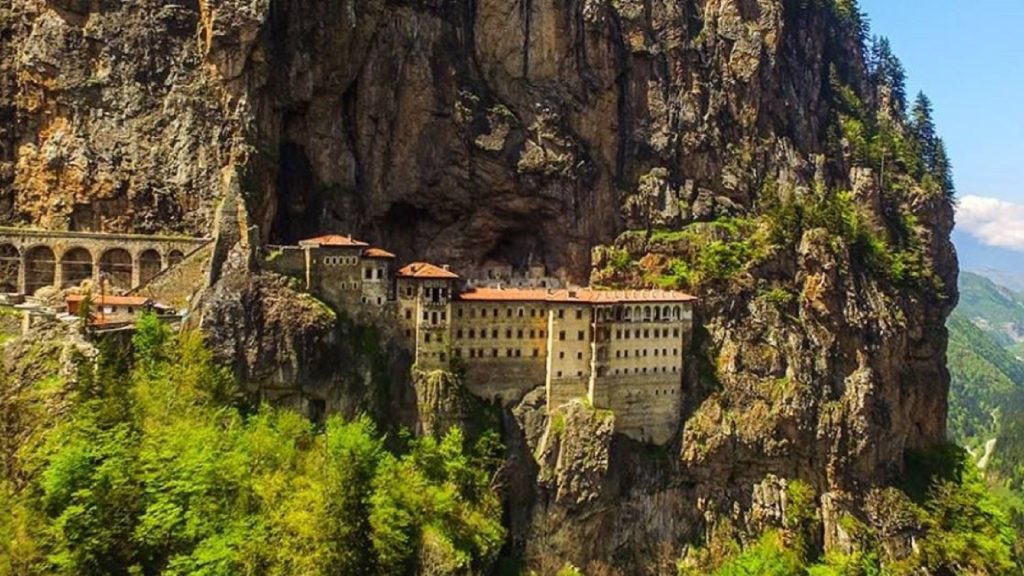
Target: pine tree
<point x="943" y="169"/>
<point x="887" y="72"/>
<point x="922" y="129"/>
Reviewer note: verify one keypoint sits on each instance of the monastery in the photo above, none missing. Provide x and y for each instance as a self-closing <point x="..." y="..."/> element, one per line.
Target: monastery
<point x="622" y="351"/>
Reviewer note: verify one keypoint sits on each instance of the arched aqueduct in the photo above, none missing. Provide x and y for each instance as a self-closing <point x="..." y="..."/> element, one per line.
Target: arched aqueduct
<point x="33" y="259"/>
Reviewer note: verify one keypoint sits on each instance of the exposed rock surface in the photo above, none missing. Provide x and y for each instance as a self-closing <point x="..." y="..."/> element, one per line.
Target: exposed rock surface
<point x="461" y="131"/>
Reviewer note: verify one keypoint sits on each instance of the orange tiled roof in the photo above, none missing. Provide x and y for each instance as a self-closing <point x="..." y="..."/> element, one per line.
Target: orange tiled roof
<point x="333" y="240"/>
<point x="426" y="270"/>
<point x="581" y="296"/>
<point x="109" y="300"/>
<point x="377" y="253"/>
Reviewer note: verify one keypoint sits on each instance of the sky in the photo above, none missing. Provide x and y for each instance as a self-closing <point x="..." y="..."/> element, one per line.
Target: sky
<point x="966" y="55"/>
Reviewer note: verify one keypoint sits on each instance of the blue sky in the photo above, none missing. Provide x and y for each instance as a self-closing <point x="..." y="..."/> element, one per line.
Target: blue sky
<point x="966" y="55"/>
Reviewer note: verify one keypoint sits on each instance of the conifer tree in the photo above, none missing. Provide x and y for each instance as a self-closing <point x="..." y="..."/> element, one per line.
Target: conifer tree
<point x="887" y="71"/>
<point x="922" y="128"/>
<point x="943" y="169"/>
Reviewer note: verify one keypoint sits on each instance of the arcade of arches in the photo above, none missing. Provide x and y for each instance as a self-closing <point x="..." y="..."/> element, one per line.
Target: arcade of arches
<point x="39" y="266"/>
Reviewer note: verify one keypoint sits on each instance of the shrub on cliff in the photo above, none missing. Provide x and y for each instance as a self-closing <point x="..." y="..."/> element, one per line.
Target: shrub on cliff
<point x="179" y="480"/>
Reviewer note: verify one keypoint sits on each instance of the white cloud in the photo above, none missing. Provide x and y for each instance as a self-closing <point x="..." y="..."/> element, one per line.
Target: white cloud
<point x="992" y="221"/>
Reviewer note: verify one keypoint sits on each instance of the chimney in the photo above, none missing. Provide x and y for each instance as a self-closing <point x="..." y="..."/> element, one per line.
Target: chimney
<point x="444" y="267"/>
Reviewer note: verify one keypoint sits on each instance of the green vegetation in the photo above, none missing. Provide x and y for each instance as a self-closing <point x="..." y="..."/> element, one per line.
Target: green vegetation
<point x="157" y="469"/>
<point x="999" y="309"/>
<point x="960" y="528"/>
<point x="985" y="380"/>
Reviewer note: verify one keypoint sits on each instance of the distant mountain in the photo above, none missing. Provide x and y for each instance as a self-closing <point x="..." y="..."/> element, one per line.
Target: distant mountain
<point x="995" y="309"/>
<point x="1004" y="266"/>
<point x="986" y="381"/>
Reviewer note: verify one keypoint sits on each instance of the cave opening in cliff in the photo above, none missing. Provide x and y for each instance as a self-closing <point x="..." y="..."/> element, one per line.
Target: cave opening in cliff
<point x="519" y="248"/>
<point x="299" y="205"/>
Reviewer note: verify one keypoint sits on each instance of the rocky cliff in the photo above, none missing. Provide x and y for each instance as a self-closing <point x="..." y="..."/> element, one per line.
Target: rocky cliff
<point x="540" y="130"/>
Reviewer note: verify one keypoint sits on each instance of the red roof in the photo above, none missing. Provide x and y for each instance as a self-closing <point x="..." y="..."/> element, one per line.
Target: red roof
<point x="109" y="300"/>
<point x="333" y="240"/>
<point x="377" y="253"/>
<point x="581" y="296"/>
<point x="426" y="270"/>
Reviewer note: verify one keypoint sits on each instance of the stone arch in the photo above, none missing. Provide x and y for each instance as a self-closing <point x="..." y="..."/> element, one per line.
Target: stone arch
<point x="76" y="265"/>
<point x="10" y="267"/>
<point x="117" y="268"/>
<point x="174" y="257"/>
<point x="677" y="312"/>
<point x="40" y="268"/>
<point x="647" y="313"/>
<point x="150" y="264"/>
<point x="666" y="313"/>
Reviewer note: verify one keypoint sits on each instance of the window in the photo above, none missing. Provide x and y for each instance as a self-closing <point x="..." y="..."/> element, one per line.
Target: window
<point x="627" y="354"/>
<point x="508" y="313"/>
<point x="521" y="312"/>
<point x="369" y="274"/>
<point x="675" y="352"/>
<point x="494" y="334"/>
<point x="444" y="316"/>
<point x="561" y="314"/>
<point x="664" y="351"/>
<point x="618" y="334"/>
<point x="379" y="300"/>
<point x="494" y="352"/>
<point x="542" y="334"/>
<point x="495" y="312"/>
<point x="579" y="373"/>
<point x="408" y="291"/>
<point x="380" y="273"/>
<point x="618" y="353"/>
<point x="675" y="332"/>
<point x="508" y="334"/>
<point x="536" y="353"/>
<point x="408" y="333"/>
<point x="636" y="333"/>
<point x="458" y="352"/>
<point x="460" y="313"/>
<point x="579" y="335"/>
<point x="533" y="333"/>
<point x="472" y="353"/>
<point x="458" y="333"/>
<point x="561" y="335"/>
<point x="579" y="355"/>
<point x="433" y="318"/>
<point x="508" y="353"/>
<point x="626" y="334"/>
<point x="561" y="355"/>
<point x="647" y="333"/>
<point x="442" y="356"/>
<point x="426" y="315"/>
<point x="519" y="334"/>
<point x="559" y="374"/>
<point x="472" y="333"/>
<point x="533" y="313"/>
<point x="426" y="337"/>
<point x="655" y="351"/>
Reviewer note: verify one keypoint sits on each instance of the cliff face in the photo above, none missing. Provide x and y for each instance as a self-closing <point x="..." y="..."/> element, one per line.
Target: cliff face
<point x="455" y="130"/>
<point x="462" y="131"/>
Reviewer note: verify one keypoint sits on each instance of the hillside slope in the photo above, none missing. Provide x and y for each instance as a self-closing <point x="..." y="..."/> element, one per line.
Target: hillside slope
<point x="733" y="148"/>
